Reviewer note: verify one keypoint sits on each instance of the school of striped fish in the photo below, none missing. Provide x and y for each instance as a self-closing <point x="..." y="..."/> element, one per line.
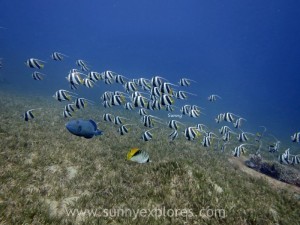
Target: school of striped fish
<point x="145" y="95"/>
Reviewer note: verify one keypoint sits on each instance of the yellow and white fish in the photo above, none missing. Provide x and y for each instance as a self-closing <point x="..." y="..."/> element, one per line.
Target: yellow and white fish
<point x="137" y="155"/>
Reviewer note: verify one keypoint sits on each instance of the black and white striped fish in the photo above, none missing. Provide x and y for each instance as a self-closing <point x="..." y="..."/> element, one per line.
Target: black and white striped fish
<point x="239" y="149"/>
<point x="295" y="160"/>
<point x="147" y="121"/>
<point x="37" y="75"/>
<point x="186" y="82"/>
<point x="186" y="109"/>
<point x="242" y="137"/>
<point x="220" y="117"/>
<point x="155" y="92"/>
<point x="28" y="115"/>
<point x="94" y="76"/>
<point x="194" y="113"/>
<point x="182" y="94"/>
<point x="81" y="103"/>
<point x="213" y="97"/>
<point x="144" y="83"/>
<point x="88" y="83"/>
<point x="200" y="127"/>
<point x="63" y="95"/>
<point x="284" y="157"/>
<point x="229" y="117"/>
<point x="173" y="124"/>
<point x="166" y="99"/>
<point x="107" y="117"/>
<point x="227" y="136"/>
<point x="296" y="137"/>
<point x="74" y="78"/>
<point x="124" y="129"/>
<point x="238" y="122"/>
<point x="173" y="135"/>
<point x="191" y="133"/>
<point x="224" y="129"/>
<point x="165" y="88"/>
<point x="147" y="135"/>
<point x="128" y="106"/>
<point x="35" y="63"/>
<point x="67" y="114"/>
<point x="107" y="95"/>
<point x="139" y="101"/>
<point x="155" y="105"/>
<point x="57" y="56"/>
<point x="106" y="104"/>
<point x="130" y="86"/>
<point x="156" y="81"/>
<point x="109" y="75"/>
<point x="169" y="108"/>
<point x="108" y="81"/>
<point x="143" y="112"/>
<point x="120" y="79"/>
<point x="206" y="142"/>
<point x="70" y="107"/>
<point x="118" y="120"/>
<point x="117" y="100"/>
<point x="82" y="64"/>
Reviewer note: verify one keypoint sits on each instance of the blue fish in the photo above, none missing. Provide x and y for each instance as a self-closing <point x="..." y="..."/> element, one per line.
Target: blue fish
<point x="83" y="128"/>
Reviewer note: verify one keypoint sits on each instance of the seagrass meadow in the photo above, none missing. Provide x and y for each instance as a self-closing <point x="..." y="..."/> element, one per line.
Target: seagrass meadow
<point x="46" y="174"/>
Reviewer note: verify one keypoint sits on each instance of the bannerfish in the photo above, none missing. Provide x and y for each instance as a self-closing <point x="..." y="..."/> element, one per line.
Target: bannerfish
<point x="137" y="155"/>
<point x="34" y="63"/>
<point x="83" y="128"/>
<point x="57" y="56"/>
<point x="296" y="137"/>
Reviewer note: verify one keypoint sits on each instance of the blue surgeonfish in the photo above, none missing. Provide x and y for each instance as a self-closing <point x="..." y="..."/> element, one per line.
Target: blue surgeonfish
<point x="83" y="128"/>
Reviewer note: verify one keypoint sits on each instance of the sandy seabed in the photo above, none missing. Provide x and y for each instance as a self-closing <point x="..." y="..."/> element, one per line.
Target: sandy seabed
<point x="49" y="176"/>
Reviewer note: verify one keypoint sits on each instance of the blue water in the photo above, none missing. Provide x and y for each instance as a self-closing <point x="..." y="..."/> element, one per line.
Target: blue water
<point x="247" y="51"/>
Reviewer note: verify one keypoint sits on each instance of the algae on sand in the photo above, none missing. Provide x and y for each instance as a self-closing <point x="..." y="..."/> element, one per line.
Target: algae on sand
<point x="46" y="173"/>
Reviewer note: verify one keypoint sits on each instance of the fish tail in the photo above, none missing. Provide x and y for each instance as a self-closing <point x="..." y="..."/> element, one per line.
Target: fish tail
<point x="98" y="132"/>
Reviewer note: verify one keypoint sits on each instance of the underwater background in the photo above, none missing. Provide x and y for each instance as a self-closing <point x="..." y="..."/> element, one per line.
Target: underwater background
<point x="247" y="52"/>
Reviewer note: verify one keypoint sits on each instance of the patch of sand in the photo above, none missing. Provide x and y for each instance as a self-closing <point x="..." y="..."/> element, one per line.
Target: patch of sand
<point x="239" y="162"/>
